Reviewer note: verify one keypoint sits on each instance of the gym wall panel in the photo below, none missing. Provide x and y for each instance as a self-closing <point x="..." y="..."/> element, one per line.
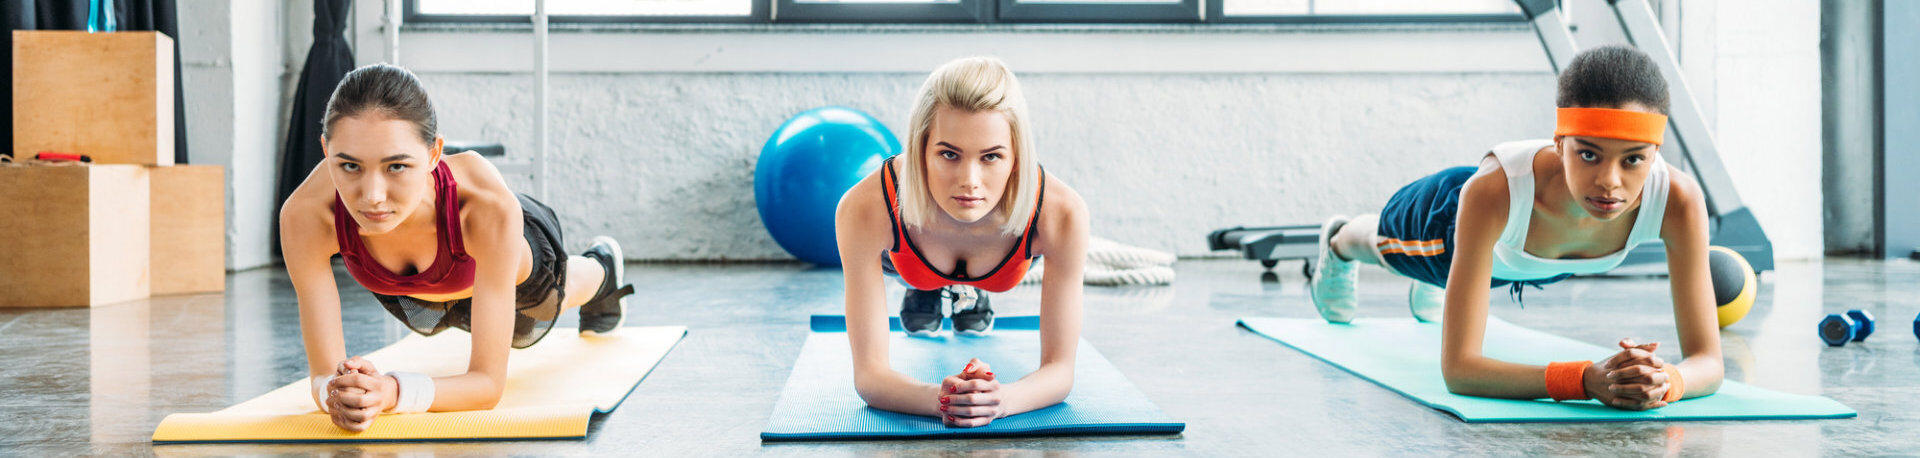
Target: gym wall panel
<point x="1900" y="214"/>
<point x="1768" y="120"/>
<point x="656" y="142"/>
<point x="664" y="161"/>
<point x="235" y="74"/>
<point x="1850" y="176"/>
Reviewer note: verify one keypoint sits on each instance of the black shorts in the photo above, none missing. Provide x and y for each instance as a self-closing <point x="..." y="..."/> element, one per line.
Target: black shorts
<point x="537" y="301"/>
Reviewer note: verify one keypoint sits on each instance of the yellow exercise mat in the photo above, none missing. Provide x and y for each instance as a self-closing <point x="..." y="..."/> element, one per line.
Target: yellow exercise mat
<point x="553" y="388"/>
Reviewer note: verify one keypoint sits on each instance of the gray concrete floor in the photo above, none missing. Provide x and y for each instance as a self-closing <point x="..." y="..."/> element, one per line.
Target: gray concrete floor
<point x="97" y="381"/>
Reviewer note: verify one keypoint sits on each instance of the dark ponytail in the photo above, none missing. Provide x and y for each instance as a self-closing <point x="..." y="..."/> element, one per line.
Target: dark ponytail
<point x="383" y="90"/>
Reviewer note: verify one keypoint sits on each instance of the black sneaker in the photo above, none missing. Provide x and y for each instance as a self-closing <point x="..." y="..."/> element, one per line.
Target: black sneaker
<point x="920" y="312"/>
<point x="607" y="310"/>
<point x="971" y="315"/>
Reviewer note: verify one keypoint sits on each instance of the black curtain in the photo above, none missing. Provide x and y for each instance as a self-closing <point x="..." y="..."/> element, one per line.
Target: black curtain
<point x="14" y="15"/>
<point x="328" y="61"/>
<point x="131" y="15"/>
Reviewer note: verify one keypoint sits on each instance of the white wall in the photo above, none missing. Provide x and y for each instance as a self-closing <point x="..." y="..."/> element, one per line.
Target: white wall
<point x="665" y="162"/>
<point x="656" y="133"/>
<point x="1768" y="123"/>
<point x="656" y="129"/>
<point x="1754" y="69"/>
<point x="233" y="76"/>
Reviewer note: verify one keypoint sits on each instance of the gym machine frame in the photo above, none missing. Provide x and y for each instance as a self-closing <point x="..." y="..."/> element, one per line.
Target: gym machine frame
<point x="1691" y="144"/>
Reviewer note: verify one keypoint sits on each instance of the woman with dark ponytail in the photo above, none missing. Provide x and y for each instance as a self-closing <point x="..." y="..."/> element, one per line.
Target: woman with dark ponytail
<point x="440" y="241"/>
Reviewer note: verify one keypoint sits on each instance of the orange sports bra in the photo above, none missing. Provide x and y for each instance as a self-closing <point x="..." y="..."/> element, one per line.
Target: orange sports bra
<point x="914" y="268"/>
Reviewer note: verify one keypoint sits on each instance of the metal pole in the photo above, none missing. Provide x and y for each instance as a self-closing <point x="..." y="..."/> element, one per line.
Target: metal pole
<point x="1552" y="30"/>
<point x="540" y="97"/>
<point x="392" y="32"/>
<point x="1690" y="129"/>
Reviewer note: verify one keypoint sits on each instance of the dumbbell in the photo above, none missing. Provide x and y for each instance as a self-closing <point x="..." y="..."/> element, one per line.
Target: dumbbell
<point x="1863" y="322"/>
<point x="1836" y="329"/>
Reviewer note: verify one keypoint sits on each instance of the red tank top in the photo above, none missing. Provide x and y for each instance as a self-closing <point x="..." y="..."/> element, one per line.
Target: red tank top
<point x="914" y="268"/>
<point x="452" y="269"/>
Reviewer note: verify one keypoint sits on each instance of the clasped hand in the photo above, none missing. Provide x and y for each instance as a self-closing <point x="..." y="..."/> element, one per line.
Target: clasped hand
<point x="358" y="393"/>
<point x="971" y="398"/>
<point x="1633" y="379"/>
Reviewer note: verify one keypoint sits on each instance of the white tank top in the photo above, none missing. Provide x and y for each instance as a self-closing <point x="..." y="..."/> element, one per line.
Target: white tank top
<point x="1510" y="258"/>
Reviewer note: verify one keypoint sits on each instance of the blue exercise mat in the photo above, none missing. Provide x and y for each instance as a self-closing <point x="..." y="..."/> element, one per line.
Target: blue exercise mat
<point x="1404" y="356"/>
<point x="819" y="402"/>
<point x="837" y="323"/>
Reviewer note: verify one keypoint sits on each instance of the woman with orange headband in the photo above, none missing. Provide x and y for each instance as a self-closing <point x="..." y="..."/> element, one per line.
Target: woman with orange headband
<point x="1536" y="212"/>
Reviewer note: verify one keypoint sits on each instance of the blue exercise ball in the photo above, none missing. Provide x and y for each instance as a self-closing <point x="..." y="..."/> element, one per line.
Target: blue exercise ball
<point x="810" y="161"/>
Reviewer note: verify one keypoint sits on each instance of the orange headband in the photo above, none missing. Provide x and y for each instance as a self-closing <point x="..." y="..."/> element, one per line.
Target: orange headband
<point x="1630" y="125"/>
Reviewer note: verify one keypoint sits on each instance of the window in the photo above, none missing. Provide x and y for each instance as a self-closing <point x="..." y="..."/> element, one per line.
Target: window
<point x="1364" y="11"/>
<point x="1100" y="10"/>
<point x="587" y="11"/>
<point x="889" y="11"/>
<point x="968" y="11"/>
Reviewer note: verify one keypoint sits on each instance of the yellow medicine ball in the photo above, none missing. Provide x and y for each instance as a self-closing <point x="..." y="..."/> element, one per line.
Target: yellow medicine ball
<point x="1733" y="284"/>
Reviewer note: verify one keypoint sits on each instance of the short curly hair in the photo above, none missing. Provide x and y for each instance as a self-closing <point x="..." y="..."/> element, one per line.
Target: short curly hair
<point x="1610" y="77"/>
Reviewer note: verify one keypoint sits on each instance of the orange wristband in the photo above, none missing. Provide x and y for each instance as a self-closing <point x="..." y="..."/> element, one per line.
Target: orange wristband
<point x="1566" y="380"/>
<point x="1676" y="388"/>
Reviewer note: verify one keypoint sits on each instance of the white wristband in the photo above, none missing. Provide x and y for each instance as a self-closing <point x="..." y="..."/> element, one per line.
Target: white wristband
<point x="320" y="383"/>
<point x="416" y="392"/>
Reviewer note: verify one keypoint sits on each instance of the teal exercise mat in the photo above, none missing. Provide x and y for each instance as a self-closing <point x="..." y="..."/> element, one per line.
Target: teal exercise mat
<point x="1404" y="356"/>
<point x="819" y="402"/>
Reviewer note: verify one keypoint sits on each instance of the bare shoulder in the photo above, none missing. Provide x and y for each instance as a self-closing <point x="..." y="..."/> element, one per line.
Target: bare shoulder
<point x="1686" y="202"/>
<point x="306" y="218"/>
<point x="476" y="176"/>
<point x="1488" y="189"/>
<point x="1682" y="188"/>
<point x="1546" y="163"/>
<point x="484" y="195"/>
<point x="863" y="211"/>
<point x="1063" y="214"/>
<point x="1485" y="199"/>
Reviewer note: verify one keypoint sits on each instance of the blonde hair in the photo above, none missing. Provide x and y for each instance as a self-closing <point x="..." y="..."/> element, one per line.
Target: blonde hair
<point x="972" y="84"/>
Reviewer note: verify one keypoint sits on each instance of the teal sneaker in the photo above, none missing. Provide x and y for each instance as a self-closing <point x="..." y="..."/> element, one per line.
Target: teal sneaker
<point x="1332" y="281"/>
<point x="1426" y="301"/>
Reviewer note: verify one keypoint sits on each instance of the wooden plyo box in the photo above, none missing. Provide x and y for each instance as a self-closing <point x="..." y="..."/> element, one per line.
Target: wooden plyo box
<point x="189" y="229"/>
<point x="106" y="95"/>
<point x="73" y="236"/>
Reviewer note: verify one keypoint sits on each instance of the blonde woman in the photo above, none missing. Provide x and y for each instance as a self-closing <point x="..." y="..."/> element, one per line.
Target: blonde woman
<point x="966" y="208"/>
